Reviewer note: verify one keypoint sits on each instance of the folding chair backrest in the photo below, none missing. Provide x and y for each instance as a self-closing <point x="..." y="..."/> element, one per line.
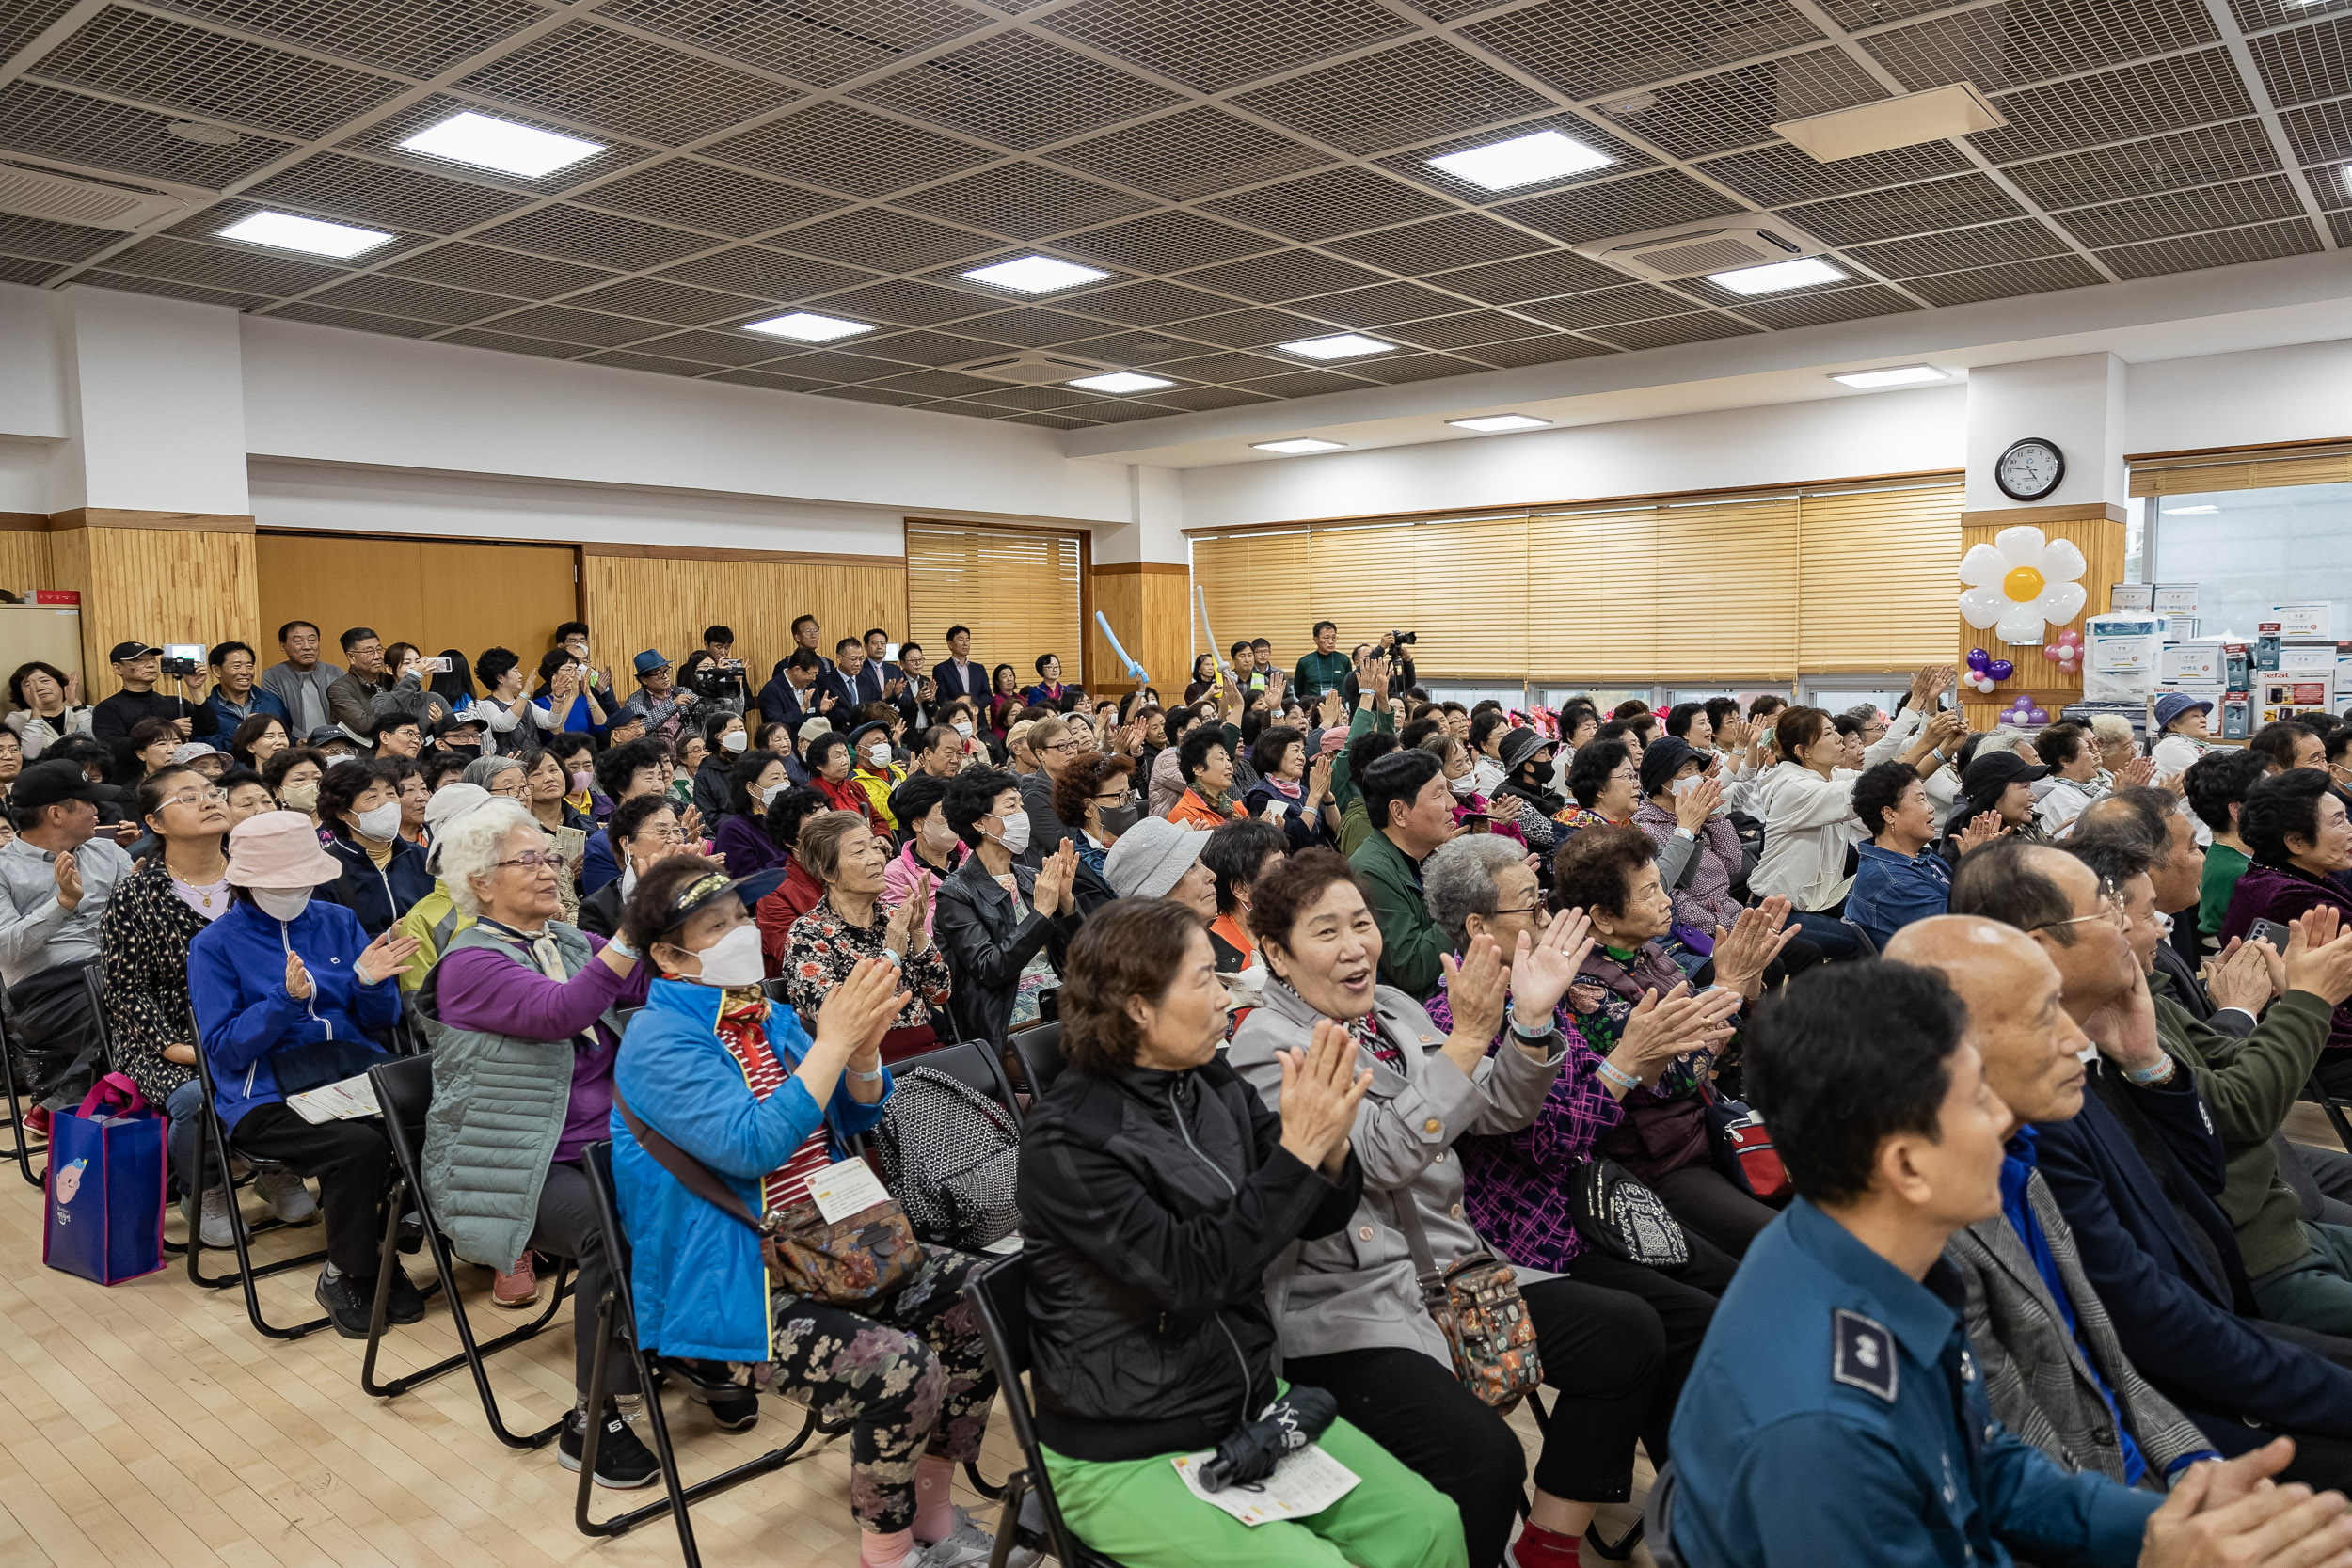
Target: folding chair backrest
<point x="1658" y="1519"/>
<point x="1039" y="1050"/>
<point x="624" y="1015"/>
<point x="969" y="1064"/>
<point x="404" y="1091"/>
<point x="999" y="1296"/>
<point x="595" y="1161"/>
<point x="94" y="982"/>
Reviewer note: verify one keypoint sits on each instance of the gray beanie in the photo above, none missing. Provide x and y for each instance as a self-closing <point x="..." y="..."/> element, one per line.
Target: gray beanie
<point x="1152" y="857"/>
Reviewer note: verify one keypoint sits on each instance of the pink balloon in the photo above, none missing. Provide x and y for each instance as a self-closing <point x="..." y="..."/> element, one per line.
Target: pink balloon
<point x="2069" y="637"/>
<point x="2051" y="652"/>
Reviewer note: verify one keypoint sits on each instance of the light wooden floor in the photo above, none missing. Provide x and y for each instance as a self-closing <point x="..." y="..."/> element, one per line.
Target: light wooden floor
<point x="150" y="1424"/>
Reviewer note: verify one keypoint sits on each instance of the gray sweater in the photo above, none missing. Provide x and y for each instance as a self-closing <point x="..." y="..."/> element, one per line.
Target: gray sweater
<point x="35" y="931"/>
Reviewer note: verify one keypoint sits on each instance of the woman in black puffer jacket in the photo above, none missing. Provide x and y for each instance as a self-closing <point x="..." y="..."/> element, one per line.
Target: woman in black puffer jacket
<point x="1156" y="1191"/>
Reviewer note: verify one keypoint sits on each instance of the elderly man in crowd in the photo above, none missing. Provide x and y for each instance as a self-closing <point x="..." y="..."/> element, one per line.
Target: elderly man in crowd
<point x="56" y="875"/>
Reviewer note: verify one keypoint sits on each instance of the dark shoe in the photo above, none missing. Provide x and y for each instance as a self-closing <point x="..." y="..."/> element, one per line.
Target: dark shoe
<point x="349" y="1304"/>
<point x="739" y="1412"/>
<point x="623" y="1463"/>
<point x="406" y="1304"/>
<point x="734" y="1406"/>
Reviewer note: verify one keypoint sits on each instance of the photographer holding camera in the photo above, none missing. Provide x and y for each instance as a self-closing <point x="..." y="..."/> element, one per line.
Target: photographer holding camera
<point x="715" y="675"/>
<point x="1401" y="674"/>
<point x="138" y="666"/>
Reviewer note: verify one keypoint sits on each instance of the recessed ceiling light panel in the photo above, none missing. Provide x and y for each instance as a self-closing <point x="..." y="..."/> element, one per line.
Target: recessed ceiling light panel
<point x="1123" y="381"/>
<point x="1036" y="275"/>
<point x="500" y="144"/>
<point x="1297" y="444"/>
<point x="1529" y="160"/>
<point x="1500" y="422"/>
<point x="1893" y="375"/>
<point x="806" y="326"/>
<point x="1339" y="345"/>
<point x="1778" y="276"/>
<point x="285" y="231"/>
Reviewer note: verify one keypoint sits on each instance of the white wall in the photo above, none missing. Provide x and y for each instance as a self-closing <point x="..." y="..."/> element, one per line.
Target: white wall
<point x="32" y="373"/>
<point x="1888" y="433"/>
<point x="2302" y="393"/>
<point x="2075" y="403"/>
<point x="29" y="471"/>
<point x="154" y="401"/>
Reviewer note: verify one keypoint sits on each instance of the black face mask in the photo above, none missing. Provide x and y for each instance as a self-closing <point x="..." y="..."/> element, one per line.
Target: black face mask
<point x="1118" y="819"/>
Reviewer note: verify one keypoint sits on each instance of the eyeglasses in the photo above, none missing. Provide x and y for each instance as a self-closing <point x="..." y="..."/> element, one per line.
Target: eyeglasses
<point x="197" y="798"/>
<point x="1057" y="747"/>
<point x="2110" y="910"/>
<point x="1540" y="907"/>
<point x="532" y="860"/>
<point x="661" y="835"/>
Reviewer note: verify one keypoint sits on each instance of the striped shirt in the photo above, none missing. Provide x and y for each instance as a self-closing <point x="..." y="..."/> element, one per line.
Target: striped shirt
<point x="743" y="1029"/>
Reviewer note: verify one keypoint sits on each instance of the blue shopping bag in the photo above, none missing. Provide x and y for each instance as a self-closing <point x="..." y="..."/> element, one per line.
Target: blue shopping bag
<point x="106" y="1185"/>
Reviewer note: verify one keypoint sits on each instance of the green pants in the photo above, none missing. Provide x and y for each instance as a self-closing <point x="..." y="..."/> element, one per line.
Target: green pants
<point x="1138" y="1513"/>
<point x="2315" y="1291"/>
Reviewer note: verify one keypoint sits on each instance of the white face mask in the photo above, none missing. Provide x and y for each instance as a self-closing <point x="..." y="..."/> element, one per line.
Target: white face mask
<point x="963" y="728"/>
<point x="282" y="903"/>
<point x="1466" y="785"/>
<point x="381" y="822"/>
<point x="878" y="754"/>
<point x="1016" y="838"/>
<point x="734" y="959"/>
<point x="735" y="740"/>
<point x="767" y="796"/>
<point x="1684" y="786"/>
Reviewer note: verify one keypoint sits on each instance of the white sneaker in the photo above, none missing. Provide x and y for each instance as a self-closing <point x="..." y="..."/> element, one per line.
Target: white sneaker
<point x="212" y="1224"/>
<point x="287" y="1198"/>
<point x="963" y="1547"/>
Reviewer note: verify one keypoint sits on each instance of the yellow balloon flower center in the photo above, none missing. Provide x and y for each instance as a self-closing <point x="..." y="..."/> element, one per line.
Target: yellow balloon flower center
<point x="2024" y="584"/>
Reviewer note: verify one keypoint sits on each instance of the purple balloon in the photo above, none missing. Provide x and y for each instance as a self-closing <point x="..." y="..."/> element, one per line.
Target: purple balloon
<point x="2000" y="668"/>
<point x="2038" y="717"/>
<point x="1978" y="658"/>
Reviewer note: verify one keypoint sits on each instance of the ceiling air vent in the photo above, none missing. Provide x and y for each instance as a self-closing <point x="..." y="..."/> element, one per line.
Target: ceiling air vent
<point x="1689" y="250"/>
<point x="36" y="192"/>
<point x="1030" y="368"/>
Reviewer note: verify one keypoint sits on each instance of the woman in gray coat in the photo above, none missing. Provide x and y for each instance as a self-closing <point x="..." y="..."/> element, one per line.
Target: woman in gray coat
<point x="1349" y="1307"/>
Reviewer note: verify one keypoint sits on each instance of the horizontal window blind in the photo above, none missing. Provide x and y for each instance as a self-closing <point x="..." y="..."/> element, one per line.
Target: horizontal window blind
<point x="1762" y="587"/>
<point x="1018" y="590"/>
<point x="2191" y="476"/>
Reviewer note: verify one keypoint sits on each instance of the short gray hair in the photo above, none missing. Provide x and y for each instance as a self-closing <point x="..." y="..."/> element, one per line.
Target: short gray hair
<point x="1864" y="714"/>
<point x="1458" y="881"/>
<point x="2111" y="728"/>
<point x="467" y="846"/>
<point x="483" y="770"/>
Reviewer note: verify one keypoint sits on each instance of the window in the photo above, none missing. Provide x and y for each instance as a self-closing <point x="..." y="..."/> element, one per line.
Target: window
<point x="1018" y="589"/>
<point x="1837" y="696"/>
<point x="2250" y="552"/>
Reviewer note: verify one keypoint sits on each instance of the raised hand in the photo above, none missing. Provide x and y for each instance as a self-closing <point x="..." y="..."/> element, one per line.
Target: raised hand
<point x="1755" y="940"/>
<point x="857" y="1013"/>
<point x="897" y="928"/>
<point x="1477" y="987"/>
<point x="68" y="872"/>
<point x="1547" y="962"/>
<point x="2240" y="975"/>
<point x="1319" y="778"/>
<point x="2136" y="772"/>
<point x="2319" y="955"/>
<point x="297" y="979"/>
<point x="1982" y="829"/>
<point x="386" y="957"/>
<point x="1695" y="805"/>
<point x="1320" y="1089"/>
<point x="1661" y="1028"/>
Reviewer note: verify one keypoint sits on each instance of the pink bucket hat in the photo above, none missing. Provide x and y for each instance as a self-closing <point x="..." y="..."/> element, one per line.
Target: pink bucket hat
<point x="279" y="849"/>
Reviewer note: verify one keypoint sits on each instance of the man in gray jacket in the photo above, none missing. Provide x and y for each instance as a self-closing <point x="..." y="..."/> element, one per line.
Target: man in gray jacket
<point x="2054" y="1371"/>
<point x="56" y="876"/>
<point x="303" y="680"/>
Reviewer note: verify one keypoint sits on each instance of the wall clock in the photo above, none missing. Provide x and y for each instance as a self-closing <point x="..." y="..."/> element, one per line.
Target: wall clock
<point x="2029" y="470"/>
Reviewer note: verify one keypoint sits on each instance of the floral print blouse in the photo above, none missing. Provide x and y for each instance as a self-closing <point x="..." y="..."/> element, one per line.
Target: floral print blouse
<point x="821" y="949"/>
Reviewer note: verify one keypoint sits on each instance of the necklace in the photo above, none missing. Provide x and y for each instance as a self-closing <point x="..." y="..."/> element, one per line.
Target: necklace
<point x="204" y="891"/>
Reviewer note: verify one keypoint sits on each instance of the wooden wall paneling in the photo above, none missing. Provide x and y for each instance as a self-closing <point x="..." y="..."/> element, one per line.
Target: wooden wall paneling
<point x="2100" y="536"/>
<point x="1147" y="604"/>
<point x="636" y="602"/>
<point x="25" y="561"/>
<point x="163" y="585"/>
<point x="436" y="593"/>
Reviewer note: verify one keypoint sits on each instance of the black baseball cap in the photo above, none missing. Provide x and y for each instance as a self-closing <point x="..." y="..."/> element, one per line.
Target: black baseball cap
<point x="1663" y="758"/>
<point x="1994" y="771"/>
<point x="52" y="784"/>
<point x="125" y="652"/>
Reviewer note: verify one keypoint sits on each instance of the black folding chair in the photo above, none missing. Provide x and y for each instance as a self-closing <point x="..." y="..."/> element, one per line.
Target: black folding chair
<point x="403" y="1089"/>
<point x="616" y="1323"/>
<point x="211" y="1154"/>
<point x="999" y="1300"/>
<point x="1038" y="1049"/>
<point x="25" y="1147"/>
<point x="1658" y="1519"/>
<point x="968" y="1063"/>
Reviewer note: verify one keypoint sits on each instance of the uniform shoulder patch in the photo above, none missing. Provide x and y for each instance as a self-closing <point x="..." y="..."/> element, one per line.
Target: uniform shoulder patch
<point x="1862" y="1354"/>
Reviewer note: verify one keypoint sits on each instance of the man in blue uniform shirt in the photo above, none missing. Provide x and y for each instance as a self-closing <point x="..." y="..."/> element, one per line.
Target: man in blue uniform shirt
<point x="1835" y="1415"/>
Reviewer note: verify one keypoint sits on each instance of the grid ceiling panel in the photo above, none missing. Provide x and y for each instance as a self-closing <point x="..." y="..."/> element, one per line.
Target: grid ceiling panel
<point x="2201" y="156"/>
<point x="1778" y="174"/>
<point x="2007" y="282"/>
<point x="133" y="283"/>
<point x="17" y="269"/>
<point x="905" y="302"/>
<point x="1152" y="302"/>
<point x="1126" y="348"/>
<point x="1306" y="383"/>
<point x="1286" y="275"/>
<point x="1416" y="165"/>
<point x="2321" y="134"/>
<point x="1560" y="272"/>
<point x="1606" y="308"/>
<point x="842" y="148"/>
<point x="1540" y="350"/>
<point x="1851" y="14"/>
<point x="475" y="266"/>
<point x="413" y="40"/>
<point x="873" y="394"/>
<point x="1906" y="209"/>
<point x="54" y="241"/>
<point x="2012" y="42"/>
<point x="603" y="239"/>
<point x="1467" y="330"/>
<point x="381" y="139"/>
<point x="568" y="326"/>
<point x="935" y="384"/>
<point x="24" y="21"/>
<point x="1025" y="201"/>
<point x="219" y="267"/>
<point x="1172" y="241"/>
<point x="2151" y="217"/>
<point x="1394" y="369"/>
<point x="1833" y="304"/>
<point x="131" y="54"/>
<point x="1995" y="242"/>
<point x="1185" y="156"/>
<point x="768" y="379"/>
<point x="1457" y="239"/>
<point x="1017" y="90"/>
<point x="2263" y="242"/>
<point x="1416" y="91"/>
<point x="2117" y="106"/>
<point x="720" y="348"/>
<point x="1201" y="398"/>
<point x="2306" y="63"/>
<point x="1670" y="330"/>
<point x="1381" y="306"/>
<point x="1322" y="206"/>
<point x="928" y="348"/>
<point x="1738" y="108"/>
<point x="1031" y="326"/>
<point x="1216" y="45"/>
<point x="1256" y="327"/>
<point x="886" y="240"/>
<point x="2340" y="224"/>
<point x="832" y="365"/>
<point x="821" y="41"/>
<point x="598" y="77"/>
<point x="1215" y="366"/>
<point x="1589" y="48"/>
<point x="637" y="359"/>
<point x="353" y="321"/>
<point x="704" y="196"/>
<point x="382" y="293"/>
<point x="2256" y="15"/>
<point x="765" y="273"/>
<point x="1621" y="206"/>
<point x="508" y="342"/>
<point x="337" y="187"/>
<point x="75" y="128"/>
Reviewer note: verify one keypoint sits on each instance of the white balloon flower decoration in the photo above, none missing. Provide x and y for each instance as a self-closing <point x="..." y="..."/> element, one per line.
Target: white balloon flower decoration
<point x="2020" y="580"/>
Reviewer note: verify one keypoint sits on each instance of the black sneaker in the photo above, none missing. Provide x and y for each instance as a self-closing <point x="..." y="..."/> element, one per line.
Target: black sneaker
<point x="349" y="1304"/>
<point x="623" y="1463"/>
<point x="406" y="1304"/>
<point x="733" y="1406"/>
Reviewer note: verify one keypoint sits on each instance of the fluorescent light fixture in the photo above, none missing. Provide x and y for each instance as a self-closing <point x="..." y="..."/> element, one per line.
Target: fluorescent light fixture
<point x="1339" y="345"/>
<point x="1505" y="165"/>
<point x="2188" y="511"/>
<point x="1123" y="381"/>
<point x="1297" y="444"/>
<point x="500" y="144"/>
<point x="1894" y="375"/>
<point x="285" y="231"/>
<point x="1774" y="277"/>
<point x="1500" y="422"/>
<point x="806" y="326"/>
<point x="1036" y="275"/>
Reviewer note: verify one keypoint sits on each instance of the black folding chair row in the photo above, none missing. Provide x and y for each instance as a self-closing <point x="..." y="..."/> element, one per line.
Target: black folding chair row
<point x="24" y="1147"/>
<point x="1038" y="1048"/>
<point x="999" y="1297"/>
<point x="2335" y="1108"/>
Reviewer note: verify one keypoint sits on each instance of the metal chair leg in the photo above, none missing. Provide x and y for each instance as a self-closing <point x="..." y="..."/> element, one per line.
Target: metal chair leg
<point x="207" y="1130"/>
<point x="26" y="1149"/>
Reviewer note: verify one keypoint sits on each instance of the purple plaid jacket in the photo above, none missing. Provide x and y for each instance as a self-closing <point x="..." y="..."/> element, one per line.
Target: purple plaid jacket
<point x="1516" y="1185"/>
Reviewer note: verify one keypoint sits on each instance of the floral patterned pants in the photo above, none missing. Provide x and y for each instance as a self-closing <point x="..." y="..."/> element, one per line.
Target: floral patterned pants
<point x="911" y="1374"/>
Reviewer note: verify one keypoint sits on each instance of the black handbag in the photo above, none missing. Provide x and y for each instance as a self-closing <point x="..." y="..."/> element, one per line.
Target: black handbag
<point x="1618" y="1216"/>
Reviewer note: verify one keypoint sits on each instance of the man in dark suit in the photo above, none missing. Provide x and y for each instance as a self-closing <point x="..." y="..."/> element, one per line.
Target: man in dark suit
<point x="854" y="681"/>
<point x="958" y="676"/>
<point x="805" y="632"/>
<point x="793" y="696"/>
<point x="2135" y="1173"/>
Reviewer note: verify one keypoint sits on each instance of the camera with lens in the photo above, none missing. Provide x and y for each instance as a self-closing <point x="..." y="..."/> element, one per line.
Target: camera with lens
<point x="182" y="668"/>
<point x="1403" y="638"/>
<point x="716" y="682"/>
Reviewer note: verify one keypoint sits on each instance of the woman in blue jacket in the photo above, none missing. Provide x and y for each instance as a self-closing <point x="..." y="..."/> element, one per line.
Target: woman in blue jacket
<point x="381" y="873"/>
<point x="286" y="987"/>
<point x="737" y="1083"/>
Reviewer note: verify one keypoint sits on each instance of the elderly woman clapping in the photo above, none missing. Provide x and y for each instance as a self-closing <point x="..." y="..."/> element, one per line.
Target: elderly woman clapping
<point x="522" y="1083"/>
<point x="849" y="924"/>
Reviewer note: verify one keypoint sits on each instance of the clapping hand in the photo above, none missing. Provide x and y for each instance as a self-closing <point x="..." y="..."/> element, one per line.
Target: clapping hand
<point x="1947" y="726"/>
<point x="386" y="957"/>
<point x="1546" y="964"/>
<point x="1477" y="987"/>
<point x="2229" y="1514"/>
<point x="858" y="1013"/>
<point x="68" y="872"/>
<point x="1695" y="805"/>
<point x="1051" y="893"/>
<point x="1320" y="1089"/>
<point x="1319" y="778"/>
<point x="1982" y="829"/>
<point x="2136" y="772"/>
<point x="2318" y="958"/>
<point x="1661" y="1028"/>
<point x="297" y="979"/>
<point x="2241" y="975"/>
<point x="1755" y="940"/>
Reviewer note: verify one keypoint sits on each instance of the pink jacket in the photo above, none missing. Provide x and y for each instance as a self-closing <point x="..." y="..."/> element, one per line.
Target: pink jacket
<point x="899" y="878"/>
